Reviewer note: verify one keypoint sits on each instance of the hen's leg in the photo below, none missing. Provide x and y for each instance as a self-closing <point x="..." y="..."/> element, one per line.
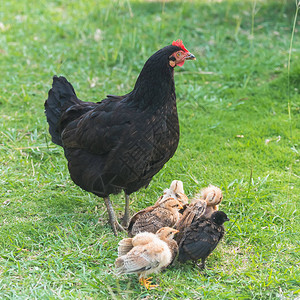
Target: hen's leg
<point x="202" y="265"/>
<point x="112" y="217"/>
<point x="125" y="219"/>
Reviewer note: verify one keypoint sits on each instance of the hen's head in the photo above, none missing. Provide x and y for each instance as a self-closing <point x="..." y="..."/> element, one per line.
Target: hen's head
<point x="155" y="84"/>
<point x="179" y="56"/>
<point x="173" y="55"/>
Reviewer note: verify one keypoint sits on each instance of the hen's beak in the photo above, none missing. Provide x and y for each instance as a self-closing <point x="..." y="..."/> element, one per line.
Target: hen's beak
<point x="190" y="56"/>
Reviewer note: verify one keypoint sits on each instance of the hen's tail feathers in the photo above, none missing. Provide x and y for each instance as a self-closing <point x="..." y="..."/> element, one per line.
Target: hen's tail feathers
<point x="60" y="97"/>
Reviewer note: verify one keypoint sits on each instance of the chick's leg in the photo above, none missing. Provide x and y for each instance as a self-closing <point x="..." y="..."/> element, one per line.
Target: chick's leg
<point x="125" y="219"/>
<point x="112" y="217"/>
<point x="147" y="283"/>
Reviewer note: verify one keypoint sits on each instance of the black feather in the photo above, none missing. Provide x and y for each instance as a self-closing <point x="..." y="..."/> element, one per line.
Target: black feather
<point x="201" y="237"/>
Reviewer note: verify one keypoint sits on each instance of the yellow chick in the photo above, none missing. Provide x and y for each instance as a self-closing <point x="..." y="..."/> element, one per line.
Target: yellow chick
<point x="146" y="253"/>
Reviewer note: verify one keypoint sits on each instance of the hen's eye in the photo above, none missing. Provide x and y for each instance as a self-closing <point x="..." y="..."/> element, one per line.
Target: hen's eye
<point x="178" y="54"/>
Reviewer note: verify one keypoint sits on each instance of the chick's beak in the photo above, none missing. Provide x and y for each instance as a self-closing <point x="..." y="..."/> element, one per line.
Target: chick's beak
<point x="175" y="231"/>
<point x="190" y="56"/>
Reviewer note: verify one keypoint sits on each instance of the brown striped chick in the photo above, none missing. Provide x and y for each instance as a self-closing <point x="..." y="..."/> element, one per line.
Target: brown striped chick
<point x="191" y="213"/>
<point x="175" y="191"/>
<point x="162" y="214"/>
<point x="146" y="253"/>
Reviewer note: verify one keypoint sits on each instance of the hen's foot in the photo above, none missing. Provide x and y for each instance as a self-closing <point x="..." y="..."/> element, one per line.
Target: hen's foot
<point x="200" y="266"/>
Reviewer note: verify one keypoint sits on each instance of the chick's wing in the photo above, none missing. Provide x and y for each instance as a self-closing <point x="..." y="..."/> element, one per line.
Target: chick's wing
<point x="125" y="246"/>
<point x="141" y="259"/>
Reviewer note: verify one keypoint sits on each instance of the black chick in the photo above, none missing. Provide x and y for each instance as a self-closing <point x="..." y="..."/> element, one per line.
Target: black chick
<point x="201" y="238"/>
<point x="121" y="142"/>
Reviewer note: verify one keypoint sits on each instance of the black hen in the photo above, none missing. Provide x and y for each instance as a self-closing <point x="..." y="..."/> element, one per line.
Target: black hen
<point x="201" y="238"/>
<point x="121" y="142"/>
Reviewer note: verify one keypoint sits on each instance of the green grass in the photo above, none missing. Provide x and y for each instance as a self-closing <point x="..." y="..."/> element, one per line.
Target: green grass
<point x="55" y="242"/>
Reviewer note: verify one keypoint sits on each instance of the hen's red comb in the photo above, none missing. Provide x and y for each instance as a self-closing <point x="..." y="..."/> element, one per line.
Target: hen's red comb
<point x="179" y="44"/>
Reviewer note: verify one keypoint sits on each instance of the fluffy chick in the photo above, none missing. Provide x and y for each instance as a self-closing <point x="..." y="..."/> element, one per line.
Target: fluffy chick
<point x="146" y="253"/>
<point x="203" y="204"/>
<point x="152" y="218"/>
<point x="202" y="237"/>
<point x="212" y="195"/>
<point x="175" y="191"/>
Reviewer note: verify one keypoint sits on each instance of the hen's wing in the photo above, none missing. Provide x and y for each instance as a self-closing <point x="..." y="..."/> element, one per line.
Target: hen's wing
<point x="109" y="148"/>
<point x="98" y="130"/>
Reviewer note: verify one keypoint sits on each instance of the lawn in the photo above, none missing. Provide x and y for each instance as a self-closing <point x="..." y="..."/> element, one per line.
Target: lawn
<point x="239" y="111"/>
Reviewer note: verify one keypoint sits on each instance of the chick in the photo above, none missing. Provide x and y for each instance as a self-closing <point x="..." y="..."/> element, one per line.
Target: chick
<point x="162" y="214"/>
<point x="213" y="197"/>
<point x="191" y="213"/>
<point x="175" y="191"/>
<point x="203" y="204"/>
<point x="146" y="253"/>
<point x="201" y="238"/>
